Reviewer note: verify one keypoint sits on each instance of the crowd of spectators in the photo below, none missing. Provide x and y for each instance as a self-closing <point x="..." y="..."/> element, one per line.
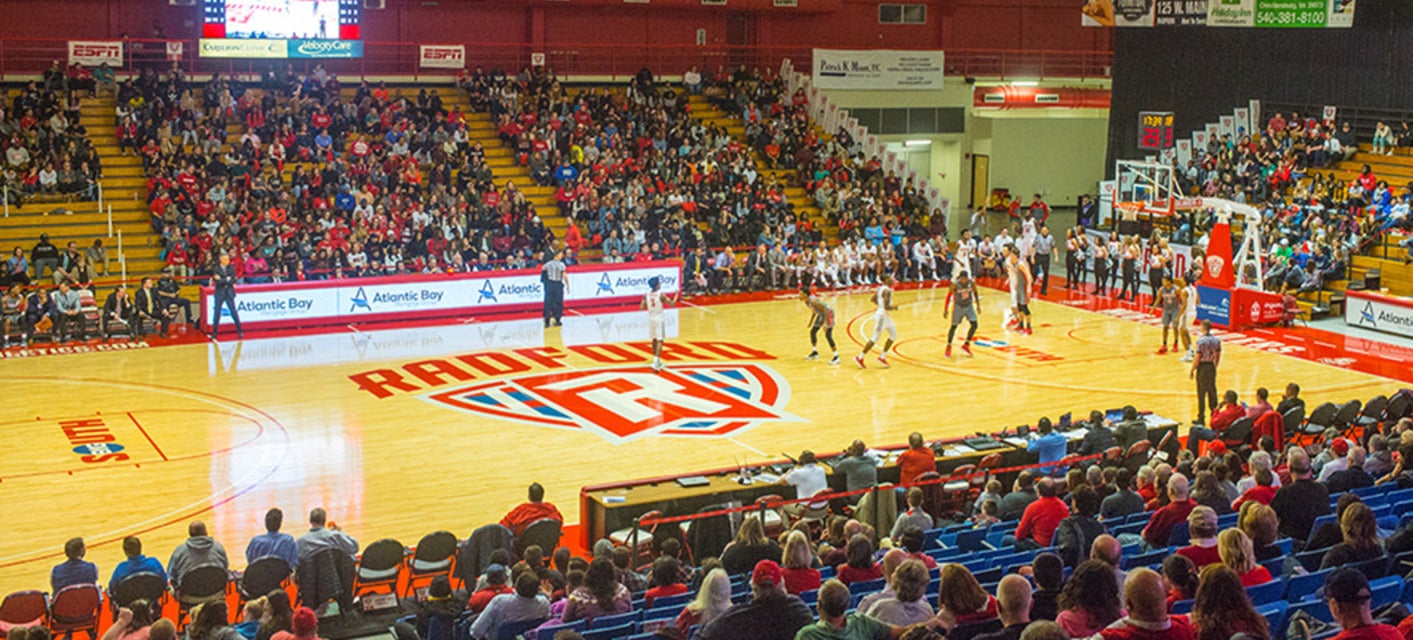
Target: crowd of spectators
<point x="1171" y="549"/>
<point x="44" y="148"/>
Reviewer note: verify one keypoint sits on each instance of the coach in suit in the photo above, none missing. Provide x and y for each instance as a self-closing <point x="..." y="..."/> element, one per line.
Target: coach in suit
<point x="148" y="307"/>
<point x="223" y="278"/>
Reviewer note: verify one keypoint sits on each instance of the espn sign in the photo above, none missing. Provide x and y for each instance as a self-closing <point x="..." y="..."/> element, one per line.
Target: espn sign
<point x="92" y="53"/>
<point x="442" y="56"/>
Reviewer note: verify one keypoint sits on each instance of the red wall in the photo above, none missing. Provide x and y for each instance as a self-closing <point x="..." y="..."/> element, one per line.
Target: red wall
<point x="952" y="24"/>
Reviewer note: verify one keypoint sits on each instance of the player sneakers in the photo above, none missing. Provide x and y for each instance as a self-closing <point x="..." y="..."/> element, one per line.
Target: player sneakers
<point x="949" y="350"/>
<point x="883" y="360"/>
<point x="1012" y="323"/>
<point x="966" y="347"/>
<point x="1187" y="357"/>
<point x="834" y="360"/>
<point x="657" y="364"/>
<point x="1025" y="331"/>
<point x="1162" y="350"/>
<point x="814" y="355"/>
<point x="859" y="359"/>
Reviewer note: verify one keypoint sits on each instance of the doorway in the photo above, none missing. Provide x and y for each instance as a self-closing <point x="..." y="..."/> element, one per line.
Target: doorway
<point x="980" y="180"/>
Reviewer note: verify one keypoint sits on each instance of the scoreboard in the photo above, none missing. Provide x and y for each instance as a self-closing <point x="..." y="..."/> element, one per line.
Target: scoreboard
<point x="1155" y="130"/>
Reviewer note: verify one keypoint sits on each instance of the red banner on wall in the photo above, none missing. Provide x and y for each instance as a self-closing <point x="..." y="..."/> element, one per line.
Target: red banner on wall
<point x="1217" y="270"/>
<point x="1253" y="306"/>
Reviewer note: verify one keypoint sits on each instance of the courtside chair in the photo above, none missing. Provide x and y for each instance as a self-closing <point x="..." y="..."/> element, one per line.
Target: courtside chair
<point x="1239" y="433"/>
<point x="206" y="583"/>
<point x="434" y="556"/>
<point x="544" y="532"/>
<point x="1137" y="455"/>
<point x="1314" y="428"/>
<point x="1294" y="418"/>
<point x="1398" y="407"/>
<point x="1347" y="414"/>
<point x="143" y="585"/>
<point x="379" y="567"/>
<point x="23" y="609"/>
<point x="638" y="539"/>
<point x="264" y="575"/>
<point x="1373" y="412"/>
<point x="474" y="554"/>
<point x="75" y="609"/>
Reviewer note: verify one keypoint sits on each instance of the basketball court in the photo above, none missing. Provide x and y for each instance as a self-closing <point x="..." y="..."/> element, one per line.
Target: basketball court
<point x="404" y="431"/>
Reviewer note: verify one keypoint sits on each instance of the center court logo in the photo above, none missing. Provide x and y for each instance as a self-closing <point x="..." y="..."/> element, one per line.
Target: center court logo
<point x="626" y="403"/>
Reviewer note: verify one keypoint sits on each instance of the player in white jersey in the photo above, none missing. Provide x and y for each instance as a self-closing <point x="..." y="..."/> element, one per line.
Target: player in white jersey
<point x="882" y="322"/>
<point x="965" y="255"/>
<point x="653" y="302"/>
<point x="925" y="259"/>
<point x="868" y="263"/>
<point x="1189" y="316"/>
<point x="824" y="272"/>
<point x="1019" y="278"/>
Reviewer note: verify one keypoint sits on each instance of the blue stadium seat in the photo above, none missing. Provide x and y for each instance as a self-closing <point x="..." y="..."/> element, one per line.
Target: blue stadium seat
<point x="971" y="539"/>
<point x="867" y="586"/>
<point x="674" y="601"/>
<point x="810" y="597"/>
<point x="1285" y="544"/>
<point x="1316" y="608"/>
<point x="1181" y="607"/>
<point x="1128" y="527"/>
<point x="1311" y="559"/>
<point x="618" y="619"/>
<point x="1274" y="613"/>
<point x="1364" y="492"/>
<point x="1395" y="497"/>
<point x="1145" y="559"/>
<point x="990" y="575"/>
<point x="825" y="573"/>
<point x="1299" y="586"/>
<point x="1226" y="520"/>
<point x="1276" y="566"/>
<point x="610" y="633"/>
<point x="1266" y="593"/>
<point x="1385" y="590"/>
<point x="548" y="632"/>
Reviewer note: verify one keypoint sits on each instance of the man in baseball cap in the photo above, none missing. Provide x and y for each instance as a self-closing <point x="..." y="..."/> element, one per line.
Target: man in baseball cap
<point x="1348" y="595"/>
<point x="772" y="614"/>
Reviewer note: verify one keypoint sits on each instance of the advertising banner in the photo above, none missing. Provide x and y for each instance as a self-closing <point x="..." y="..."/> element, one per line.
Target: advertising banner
<point x="442" y="56"/>
<point x="1380" y="313"/>
<point x="1266" y="14"/>
<point x="877" y="69"/>
<point x="428" y="296"/>
<point x="1253" y="306"/>
<point x="262" y="49"/>
<point x="92" y="53"/>
<point x="325" y="49"/>
<point x="1214" y="305"/>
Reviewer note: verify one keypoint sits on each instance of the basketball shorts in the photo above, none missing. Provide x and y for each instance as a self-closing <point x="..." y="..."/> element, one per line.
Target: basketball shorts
<point x="824" y="321"/>
<point x="884" y="324"/>
<point x="657" y="329"/>
<point x="1170" y="317"/>
<point x="968" y="314"/>
<point x="1022" y="307"/>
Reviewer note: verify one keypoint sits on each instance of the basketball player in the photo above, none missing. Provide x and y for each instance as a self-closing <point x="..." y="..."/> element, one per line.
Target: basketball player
<point x="968" y="307"/>
<point x="882" y="321"/>
<point x="1168" y="298"/>
<point x="821" y="317"/>
<point x="925" y="259"/>
<point x="1019" y="278"/>
<point x="965" y="257"/>
<point x="653" y="301"/>
<point x="1188" y="316"/>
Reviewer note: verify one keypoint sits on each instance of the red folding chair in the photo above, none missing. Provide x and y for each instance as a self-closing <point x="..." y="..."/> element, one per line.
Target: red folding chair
<point x="75" y="608"/>
<point x="23" y="609"/>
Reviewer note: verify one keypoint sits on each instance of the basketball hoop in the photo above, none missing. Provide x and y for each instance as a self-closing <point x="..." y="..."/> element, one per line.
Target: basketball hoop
<point x="1128" y="211"/>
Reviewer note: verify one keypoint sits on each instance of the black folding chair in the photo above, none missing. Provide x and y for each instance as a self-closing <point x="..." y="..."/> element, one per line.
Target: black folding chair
<point x="1239" y="433"/>
<point x="379" y="567"/>
<point x="144" y="585"/>
<point x="432" y="557"/>
<point x="264" y="575"/>
<point x="544" y="533"/>
<point x="206" y="583"/>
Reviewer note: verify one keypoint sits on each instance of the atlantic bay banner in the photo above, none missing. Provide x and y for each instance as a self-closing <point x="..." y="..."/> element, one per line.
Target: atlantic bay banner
<point x="1269" y="14"/>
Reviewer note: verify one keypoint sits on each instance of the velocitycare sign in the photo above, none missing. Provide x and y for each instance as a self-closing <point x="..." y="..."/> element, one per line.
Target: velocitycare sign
<point x="877" y="69"/>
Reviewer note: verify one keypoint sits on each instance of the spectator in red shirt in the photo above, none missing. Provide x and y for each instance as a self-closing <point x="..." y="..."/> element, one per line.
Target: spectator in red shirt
<point x="1041" y="518"/>
<point x="1347" y="593"/>
<point x="1160" y="526"/>
<point x="917" y="460"/>
<point x="667" y="575"/>
<point x="860" y="566"/>
<point x="495" y="585"/>
<point x="1230" y="412"/>
<point x="1148" y="617"/>
<point x="527" y="512"/>
<point x="798" y="560"/>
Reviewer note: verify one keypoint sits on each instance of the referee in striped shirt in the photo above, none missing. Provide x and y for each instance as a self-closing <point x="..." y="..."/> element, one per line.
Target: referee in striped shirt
<point x="552" y="276"/>
<point x="1204" y="370"/>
